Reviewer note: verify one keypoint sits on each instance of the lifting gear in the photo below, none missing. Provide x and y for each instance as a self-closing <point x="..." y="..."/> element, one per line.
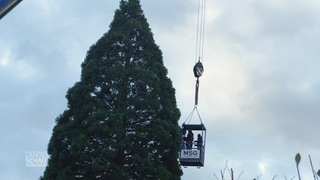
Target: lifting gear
<point x="190" y="155"/>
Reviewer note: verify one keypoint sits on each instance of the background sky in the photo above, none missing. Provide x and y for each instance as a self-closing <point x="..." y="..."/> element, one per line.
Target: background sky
<point x="259" y="95"/>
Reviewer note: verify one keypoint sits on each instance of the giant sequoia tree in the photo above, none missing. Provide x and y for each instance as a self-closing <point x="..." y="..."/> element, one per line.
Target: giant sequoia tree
<point x="122" y="119"/>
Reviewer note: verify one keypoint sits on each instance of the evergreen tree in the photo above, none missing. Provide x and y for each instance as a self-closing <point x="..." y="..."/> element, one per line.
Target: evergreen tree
<point x="122" y="119"/>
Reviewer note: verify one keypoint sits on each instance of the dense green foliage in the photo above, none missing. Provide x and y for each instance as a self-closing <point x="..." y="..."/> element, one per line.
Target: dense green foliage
<point x="122" y="119"/>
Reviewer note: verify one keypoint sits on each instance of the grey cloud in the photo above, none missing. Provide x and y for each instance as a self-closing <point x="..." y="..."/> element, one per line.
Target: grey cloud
<point x="258" y="95"/>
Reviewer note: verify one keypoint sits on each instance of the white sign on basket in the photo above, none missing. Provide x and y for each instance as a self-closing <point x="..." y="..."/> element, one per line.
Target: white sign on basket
<point x="190" y="153"/>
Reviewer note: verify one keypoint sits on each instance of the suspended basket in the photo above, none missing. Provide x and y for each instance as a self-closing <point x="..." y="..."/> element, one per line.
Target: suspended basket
<point x="193" y="142"/>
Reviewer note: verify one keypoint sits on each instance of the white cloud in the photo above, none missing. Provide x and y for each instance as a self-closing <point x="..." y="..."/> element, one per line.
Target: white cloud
<point x="5" y="58"/>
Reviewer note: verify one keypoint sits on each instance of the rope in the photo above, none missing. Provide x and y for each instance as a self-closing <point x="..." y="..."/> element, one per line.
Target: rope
<point x="188" y="119"/>
<point x="203" y="25"/>
<point x="198" y="114"/>
<point x="190" y="116"/>
<point x="200" y="29"/>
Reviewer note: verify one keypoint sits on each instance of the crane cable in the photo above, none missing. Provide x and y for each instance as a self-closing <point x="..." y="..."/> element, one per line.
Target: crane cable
<point x="198" y="68"/>
<point x="200" y="30"/>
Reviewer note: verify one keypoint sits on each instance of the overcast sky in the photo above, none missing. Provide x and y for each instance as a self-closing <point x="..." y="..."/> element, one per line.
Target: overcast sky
<point x="259" y="95"/>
